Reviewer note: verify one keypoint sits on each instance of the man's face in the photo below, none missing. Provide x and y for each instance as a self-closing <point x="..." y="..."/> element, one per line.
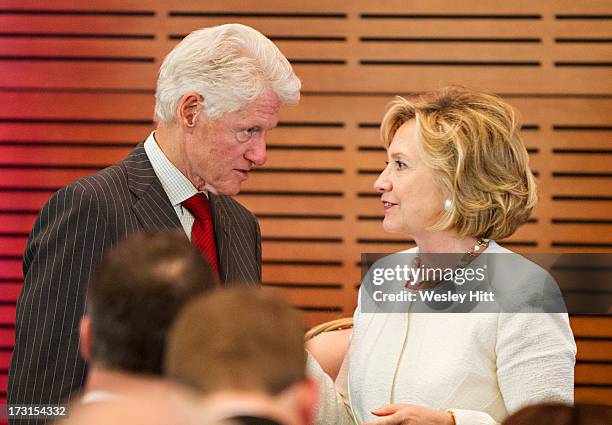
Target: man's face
<point x="220" y="153"/>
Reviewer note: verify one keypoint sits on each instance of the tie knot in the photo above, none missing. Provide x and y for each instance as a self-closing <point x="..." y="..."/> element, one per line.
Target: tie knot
<point x="199" y="206"/>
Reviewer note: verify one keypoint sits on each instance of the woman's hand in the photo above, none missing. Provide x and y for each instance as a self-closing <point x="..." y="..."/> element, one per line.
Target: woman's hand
<point x="408" y="414"/>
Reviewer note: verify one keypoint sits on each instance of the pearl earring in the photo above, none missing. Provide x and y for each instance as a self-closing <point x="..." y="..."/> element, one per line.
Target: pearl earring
<point x="448" y="204"/>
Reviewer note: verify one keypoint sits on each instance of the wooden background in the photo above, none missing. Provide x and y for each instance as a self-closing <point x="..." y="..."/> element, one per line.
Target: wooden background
<point x="77" y="84"/>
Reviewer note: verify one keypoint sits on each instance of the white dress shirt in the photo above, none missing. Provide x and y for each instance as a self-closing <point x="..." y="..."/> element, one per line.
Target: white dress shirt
<point x="175" y="184"/>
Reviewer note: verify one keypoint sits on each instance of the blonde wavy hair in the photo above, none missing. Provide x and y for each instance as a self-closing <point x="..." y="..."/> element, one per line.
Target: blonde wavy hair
<point x="471" y="142"/>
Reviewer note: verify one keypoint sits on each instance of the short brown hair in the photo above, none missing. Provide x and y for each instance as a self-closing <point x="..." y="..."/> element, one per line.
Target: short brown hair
<point x="471" y="142"/>
<point x="135" y="294"/>
<point x="237" y="339"/>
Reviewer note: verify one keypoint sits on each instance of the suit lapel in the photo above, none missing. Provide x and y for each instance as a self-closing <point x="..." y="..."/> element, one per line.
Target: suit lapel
<point x="222" y="235"/>
<point x="154" y="211"/>
<point x="236" y="241"/>
<point x="151" y="204"/>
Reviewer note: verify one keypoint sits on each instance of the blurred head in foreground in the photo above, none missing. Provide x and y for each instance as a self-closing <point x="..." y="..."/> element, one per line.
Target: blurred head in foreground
<point x="141" y="407"/>
<point x="255" y="358"/>
<point x="562" y="414"/>
<point x="133" y="298"/>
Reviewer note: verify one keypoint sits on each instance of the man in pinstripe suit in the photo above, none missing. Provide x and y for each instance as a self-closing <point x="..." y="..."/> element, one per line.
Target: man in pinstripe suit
<point x="219" y="91"/>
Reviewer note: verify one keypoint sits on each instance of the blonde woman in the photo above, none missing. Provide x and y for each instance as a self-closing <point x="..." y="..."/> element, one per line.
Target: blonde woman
<point x="457" y="179"/>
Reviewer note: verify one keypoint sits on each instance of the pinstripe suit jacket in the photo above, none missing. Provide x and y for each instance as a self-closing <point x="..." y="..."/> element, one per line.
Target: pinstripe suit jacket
<point x="71" y="234"/>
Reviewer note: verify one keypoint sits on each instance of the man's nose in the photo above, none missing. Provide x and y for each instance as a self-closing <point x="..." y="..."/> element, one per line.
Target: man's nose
<point x="257" y="152"/>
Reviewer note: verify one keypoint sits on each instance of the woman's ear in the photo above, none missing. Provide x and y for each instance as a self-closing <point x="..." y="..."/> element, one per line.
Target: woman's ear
<point x="188" y="108"/>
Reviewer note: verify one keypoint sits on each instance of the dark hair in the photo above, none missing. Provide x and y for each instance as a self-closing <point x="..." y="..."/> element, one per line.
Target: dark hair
<point x="561" y="414"/>
<point x="135" y="294"/>
<point x="262" y="349"/>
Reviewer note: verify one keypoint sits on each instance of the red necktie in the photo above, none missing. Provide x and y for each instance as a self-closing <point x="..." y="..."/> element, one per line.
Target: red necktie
<point x="202" y="234"/>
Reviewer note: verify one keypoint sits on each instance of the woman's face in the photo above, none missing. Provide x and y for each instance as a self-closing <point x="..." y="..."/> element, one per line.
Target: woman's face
<point x="411" y="200"/>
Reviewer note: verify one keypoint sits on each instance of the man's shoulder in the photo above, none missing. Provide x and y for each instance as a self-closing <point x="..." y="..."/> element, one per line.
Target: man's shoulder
<point x="103" y="187"/>
<point x="109" y="180"/>
<point x="113" y="178"/>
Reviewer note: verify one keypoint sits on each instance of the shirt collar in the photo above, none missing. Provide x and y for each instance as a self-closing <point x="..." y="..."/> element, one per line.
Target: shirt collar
<point x="175" y="184"/>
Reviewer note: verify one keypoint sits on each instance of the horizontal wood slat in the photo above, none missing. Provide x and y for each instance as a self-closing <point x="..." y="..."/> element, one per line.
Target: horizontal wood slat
<point x="28" y="23"/>
<point x="290" y="162"/>
<point x="12" y="246"/>
<point x="317" y="227"/>
<point x="333" y="77"/>
<point x="7" y="315"/>
<point x="321" y="251"/>
<point x="592" y="395"/>
<point x="594" y="374"/>
<point x="588" y="231"/>
<point x="19" y="201"/>
<point x="333" y="6"/>
<point x="331" y="108"/>
<point x="7" y="340"/>
<point x="484" y="7"/>
<point x="16" y="223"/>
<point x="9" y="292"/>
<point x="10" y="268"/>
<point x="315" y="297"/>
<point x="78" y="75"/>
<point x="591" y="326"/>
<point x="315" y="274"/>
<point x="594" y="350"/>
<point x="318" y="115"/>
<point x="117" y="48"/>
<point x="5" y="358"/>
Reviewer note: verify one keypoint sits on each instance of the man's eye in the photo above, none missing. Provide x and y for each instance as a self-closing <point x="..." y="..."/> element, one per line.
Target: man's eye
<point x="246" y="134"/>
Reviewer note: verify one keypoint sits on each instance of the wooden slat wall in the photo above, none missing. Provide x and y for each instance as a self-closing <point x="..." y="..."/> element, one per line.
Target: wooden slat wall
<point x="76" y="94"/>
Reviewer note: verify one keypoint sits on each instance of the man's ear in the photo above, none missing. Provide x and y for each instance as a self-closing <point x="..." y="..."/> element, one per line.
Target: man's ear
<point x="188" y="108"/>
<point x="311" y="399"/>
<point x="85" y="337"/>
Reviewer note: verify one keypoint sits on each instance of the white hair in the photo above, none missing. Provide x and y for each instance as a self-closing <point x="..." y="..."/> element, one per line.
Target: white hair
<point x="229" y="65"/>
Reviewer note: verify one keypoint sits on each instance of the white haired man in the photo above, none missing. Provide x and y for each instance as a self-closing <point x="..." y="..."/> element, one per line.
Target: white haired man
<point x="219" y="92"/>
